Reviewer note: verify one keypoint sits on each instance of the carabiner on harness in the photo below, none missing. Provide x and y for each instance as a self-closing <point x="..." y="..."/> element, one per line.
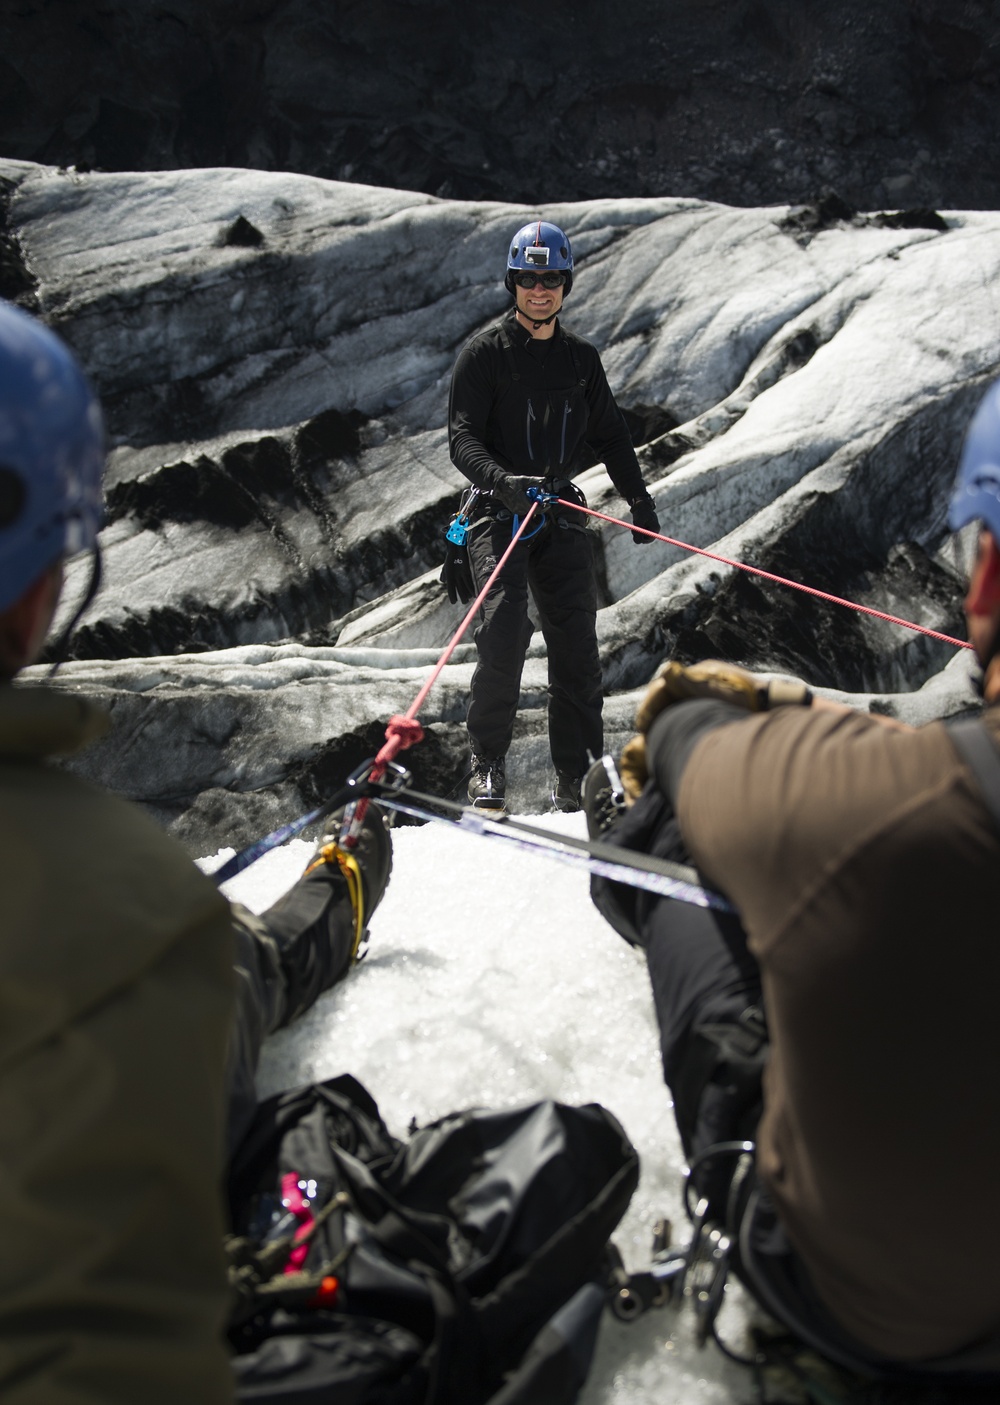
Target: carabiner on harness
<point x="393" y="775"/>
<point x="458" y="528"/>
<point x="545" y="501"/>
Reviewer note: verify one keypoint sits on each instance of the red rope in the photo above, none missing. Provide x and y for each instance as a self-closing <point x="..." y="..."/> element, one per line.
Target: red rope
<point x="473" y="610"/>
<point x="400" y="733"/>
<point x="405" y="731"/>
<point x="768" y="576"/>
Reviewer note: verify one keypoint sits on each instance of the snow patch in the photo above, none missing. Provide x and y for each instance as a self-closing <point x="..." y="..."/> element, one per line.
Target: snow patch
<point x="491" y="980"/>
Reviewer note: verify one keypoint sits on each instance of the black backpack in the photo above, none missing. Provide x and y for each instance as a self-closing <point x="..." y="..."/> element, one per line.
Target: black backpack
<point x="461" y="1267"/>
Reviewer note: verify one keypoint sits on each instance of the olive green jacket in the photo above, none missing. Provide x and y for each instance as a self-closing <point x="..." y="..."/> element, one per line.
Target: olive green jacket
<point x="116" y="992"/>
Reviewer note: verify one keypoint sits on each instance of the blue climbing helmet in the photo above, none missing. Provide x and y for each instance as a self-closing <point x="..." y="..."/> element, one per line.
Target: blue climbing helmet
<point x="542" y="247"/>
<point x="976" y="495"/>
<point x="51" y="454"/>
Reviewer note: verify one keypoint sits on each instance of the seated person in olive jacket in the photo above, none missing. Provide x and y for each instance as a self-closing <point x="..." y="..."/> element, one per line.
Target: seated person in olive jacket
<point x="133" y="999"/>
<point x="861" y="857"/>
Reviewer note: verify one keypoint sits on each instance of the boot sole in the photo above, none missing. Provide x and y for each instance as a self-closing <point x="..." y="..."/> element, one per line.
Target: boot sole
<point x="490" y="805"/>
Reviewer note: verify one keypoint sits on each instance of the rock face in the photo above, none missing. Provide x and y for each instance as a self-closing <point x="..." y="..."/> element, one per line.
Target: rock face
<point x="888" y="102"/>
<point x="273" y="352"/>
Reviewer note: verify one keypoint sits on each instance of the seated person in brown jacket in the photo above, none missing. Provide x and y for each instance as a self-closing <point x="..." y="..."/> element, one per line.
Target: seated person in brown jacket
<point x="861" y="857"/>
<point x="127" y="983"/>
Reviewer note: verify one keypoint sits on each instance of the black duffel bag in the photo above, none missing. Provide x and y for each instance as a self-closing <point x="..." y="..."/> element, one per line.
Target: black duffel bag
<point x="463" y="1266"/>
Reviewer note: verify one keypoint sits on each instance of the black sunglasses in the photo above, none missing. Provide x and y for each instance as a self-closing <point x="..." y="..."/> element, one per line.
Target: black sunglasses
<point x="547" y="280"/>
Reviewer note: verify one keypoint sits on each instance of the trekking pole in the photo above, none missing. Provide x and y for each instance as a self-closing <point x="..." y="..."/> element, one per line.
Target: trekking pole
<point x="403" y="731"/>
<point x="768" y="575"/>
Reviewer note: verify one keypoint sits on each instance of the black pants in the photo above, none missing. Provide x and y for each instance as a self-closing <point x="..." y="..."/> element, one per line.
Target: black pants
<point x="557" y="565"/>
<point x="285" y="958"/>
<point x="706" y="992"/>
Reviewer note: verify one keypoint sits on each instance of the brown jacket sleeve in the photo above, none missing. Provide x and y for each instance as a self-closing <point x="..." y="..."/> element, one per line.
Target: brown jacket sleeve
<point x="863" y="863"/>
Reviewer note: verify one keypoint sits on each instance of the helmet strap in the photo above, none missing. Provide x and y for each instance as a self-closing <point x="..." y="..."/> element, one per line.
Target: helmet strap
<point x="545" y="320"/>
<point x="57" y="649"/>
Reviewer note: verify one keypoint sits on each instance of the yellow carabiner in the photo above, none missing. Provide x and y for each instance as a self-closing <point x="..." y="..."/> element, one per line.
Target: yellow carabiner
<point x="351" y="870"/>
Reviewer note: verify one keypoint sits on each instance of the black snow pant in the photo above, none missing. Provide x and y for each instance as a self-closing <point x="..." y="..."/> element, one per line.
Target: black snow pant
<point x="285" y="958"/>
<point x="706" y="992"/>
<point x="557" y="564"/>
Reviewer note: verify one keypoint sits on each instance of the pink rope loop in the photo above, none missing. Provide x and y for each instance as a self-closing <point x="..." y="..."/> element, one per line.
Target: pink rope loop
<point x="400" y="734"/>
<point x="408" y="729"/>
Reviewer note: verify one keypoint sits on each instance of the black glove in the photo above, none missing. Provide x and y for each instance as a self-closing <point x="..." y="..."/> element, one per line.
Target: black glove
<point x="513" y="493"/>
<point x="566" y="489"/>
<point x="644" y="515"/>
<point x="456" y="574"/>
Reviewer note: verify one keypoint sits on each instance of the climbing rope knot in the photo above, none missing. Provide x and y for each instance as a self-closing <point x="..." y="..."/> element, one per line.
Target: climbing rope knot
<point x="406" y="731"/>
<point x="400" y="733"/>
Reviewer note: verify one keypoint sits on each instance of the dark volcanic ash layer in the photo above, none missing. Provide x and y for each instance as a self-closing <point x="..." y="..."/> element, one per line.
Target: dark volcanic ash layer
<point x="887" y="102"/>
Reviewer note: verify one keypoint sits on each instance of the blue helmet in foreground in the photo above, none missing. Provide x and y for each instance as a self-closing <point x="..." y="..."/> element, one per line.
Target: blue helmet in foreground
<point x="51" y="454"/>
<point x="540" y="246"/>
<point x="976" y="496"/>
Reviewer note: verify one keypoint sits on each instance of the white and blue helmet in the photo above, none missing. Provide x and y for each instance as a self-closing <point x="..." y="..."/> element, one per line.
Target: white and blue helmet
<point x="52" y="452"/>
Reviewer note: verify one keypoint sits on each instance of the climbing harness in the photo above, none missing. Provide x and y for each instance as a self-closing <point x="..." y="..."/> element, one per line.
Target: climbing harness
<point x="697" y="1270"/>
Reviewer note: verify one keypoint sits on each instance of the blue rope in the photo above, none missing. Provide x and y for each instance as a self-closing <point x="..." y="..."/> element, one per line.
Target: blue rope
<point x="260" y="847"/>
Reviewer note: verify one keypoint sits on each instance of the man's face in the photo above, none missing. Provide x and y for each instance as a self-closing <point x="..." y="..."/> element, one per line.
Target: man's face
<point x="537" y="302"/>
<point x="25" y="624"/>
<point x="982" y="603"/>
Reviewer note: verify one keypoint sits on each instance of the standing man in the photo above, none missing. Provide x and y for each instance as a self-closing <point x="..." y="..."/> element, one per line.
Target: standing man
<point x="528" y="400"/>
<point x="861" y="857"/>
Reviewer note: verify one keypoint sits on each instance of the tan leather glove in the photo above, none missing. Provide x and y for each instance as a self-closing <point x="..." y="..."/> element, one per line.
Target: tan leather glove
<point x="711" y="678"/>
<point x="632" y="769"/>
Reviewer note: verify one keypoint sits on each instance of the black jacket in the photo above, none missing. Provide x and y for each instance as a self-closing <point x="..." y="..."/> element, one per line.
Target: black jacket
<point x="524" y="406"/>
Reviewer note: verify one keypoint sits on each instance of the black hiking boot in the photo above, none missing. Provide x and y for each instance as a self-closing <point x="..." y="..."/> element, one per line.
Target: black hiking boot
<point x="373" y="852"/>
<point x="566" y="794"/>
<point x="320" y="925"/>
<point x="603" y="798"/>
<point x="488" y="783"/>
